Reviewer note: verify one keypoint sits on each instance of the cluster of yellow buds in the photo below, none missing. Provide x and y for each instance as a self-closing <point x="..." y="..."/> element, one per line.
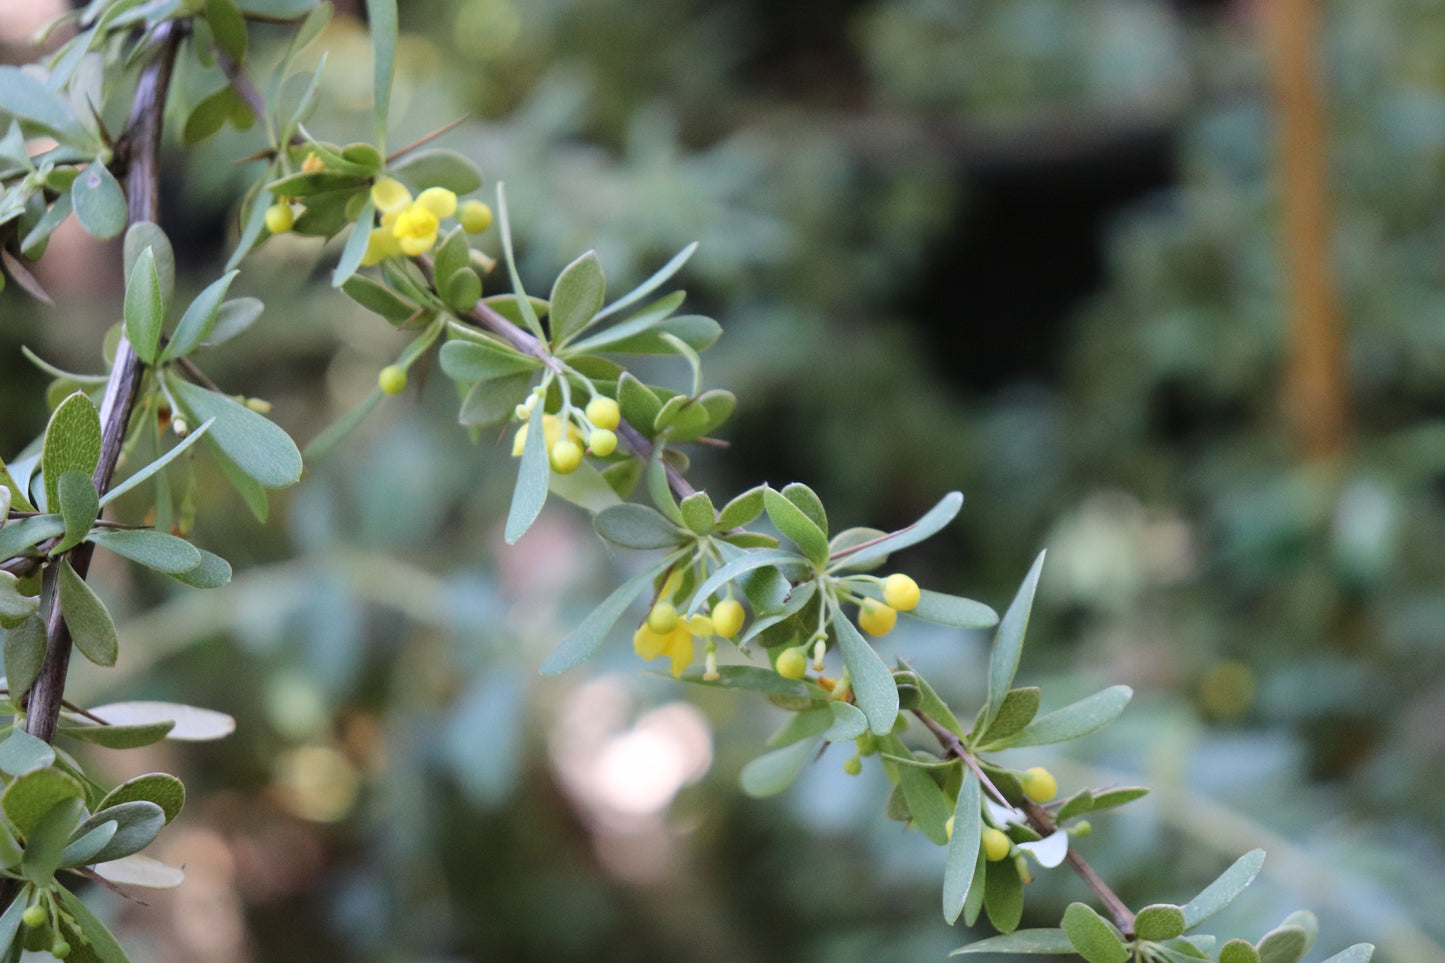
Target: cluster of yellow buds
<point x="665" y="632"/>
<point x="564" y="435"/>
<point x="409" y="226"/>
<point x="900" y="594"/>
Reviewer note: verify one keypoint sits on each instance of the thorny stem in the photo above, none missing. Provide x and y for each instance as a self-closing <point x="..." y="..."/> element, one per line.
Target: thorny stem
<point x="1038" y="818"/>
<point x="137" y="151"/>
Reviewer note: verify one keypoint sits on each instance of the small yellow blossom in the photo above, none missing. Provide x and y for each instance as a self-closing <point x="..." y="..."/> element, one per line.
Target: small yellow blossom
<point x="390" y="195"/>
<point x="312" y="164"/>
<point x="438" y="200"/>
<point x="416" y="229"/>
<point x="380" y="245"/>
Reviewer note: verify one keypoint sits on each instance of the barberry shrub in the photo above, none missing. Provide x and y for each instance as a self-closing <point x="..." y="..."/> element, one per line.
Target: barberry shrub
<point x="757" y="593"/>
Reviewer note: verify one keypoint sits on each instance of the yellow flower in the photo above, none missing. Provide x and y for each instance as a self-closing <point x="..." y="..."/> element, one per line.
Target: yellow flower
<point x="312" y="164"/>
<point x="438" y="200"/>
<point x="677" y="645"/>
<point x="416" y="229"/>
<point x="381" y="245"/>
<point x="390" y="195"/>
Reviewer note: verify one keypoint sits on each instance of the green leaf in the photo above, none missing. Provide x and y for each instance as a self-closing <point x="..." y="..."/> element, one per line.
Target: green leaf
<point x="138" y="823"/>
<point x="10" y="921"/>
<point x="378" y="298"/>
<point x="849" y="722"/>
<point x="930" y="524"/>
<point x="648" y="317"/>
<point x="99" y="202"/>
<point x="523" y="302"/>
<point x="953" y="610"/>
<point x="1238" y="951"/>
<point x="579" y="645"/>
<point x="468" y="361"/>
<point x="86" y="842"/>
<point x="462" y="290"/>
<point x="1092" y="936"/>
<point x="213" y="572"/>
<point x="749" y="561"/>
<point x="157" y="550"/>
<point x="660" y="491"/>
<point x="102" y="944"/>
<point x="15" y="608"/>
<point x="235" y="316"/>
<point x="698" y="513"/>
<point x="1284" y="944"/>
<point x="118" y="737"/>
<point x="640" y="406"/>
<point x="772" y="772"/>
<point x="163" y="789"/>
<point x="742" y="509"/>
<point x="493" y="401"/>
<point x="381" y="14"/>
<point x="926" y="802"/>
<point x="143" y="234"/>
<point x="636" y="526"/>
<point x="21" y="534"/>
<point x="79" y="506"/>
<point x="258" y="447"/>
<point x="26" y="98"/>
<point x="1223" y="890"/>
<point x="438" y="167"/>
<point x="807" y="501"/>
<point x="91" y="627"/>
<point x="1189" y="948"/>
<point x="706" y="413"/>
<point x="198" y="319"/>
<point x="72" y="443"/>
<point x="577" y="296"/>
<point x="694" y="330"/>
<point x="453" y="254"/>
<point x="586" y="487"/>
<point x="29" y="797"/>
<point x="228" y="26"/>
<point x="651" y="284"/>
<point x="873" y="684"/>
<point x="1072" y="721"/>
<point x="334" y="433"/>
<point x="21" y="753"/>
<point x="1159" y="922"/>
<point x="355" y="248"/>
<point x="25" y="647"/>
<point x="1110" y="798"/>
<point x="33" y="246"/>
<point x="1018" y="710"/>
<point x="1008" y="644"/>
<point x="795" y="525"/>
<point x="144" y="309"/>
<point x="147" y="471"/>
<point x="45" y="843"/>
<point x="531" y="492"/>
<point x="210" y="114"/>
<point x="1078" y="804"/>
<point x="1003" y="895"/>
<point x="1359" y="953"/>
<point x="802" y="725"/>
<point x="192" y="723"/>
<point x="753" y="678"/>
<point x="960" y="871"/>
<point x="1046" y="942"/>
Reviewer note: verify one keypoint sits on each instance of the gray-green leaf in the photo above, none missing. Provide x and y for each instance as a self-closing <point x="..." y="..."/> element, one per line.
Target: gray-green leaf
<point x="1223" y="890"/>
<point x="772" y="772"/>
<point x="72" y="443"/>
<point x="577" y="296"/>
<point x="91" y="627"/>
<point x="959" y="871"/>
<point x="636" y="526"/>
<point x="1073" y="721"/>
<point x="530" y="493"/>
<point x="1045" y="942"/>
<point x="1009" y="642"/>
<point x="200" y="316"/>
<point x="578" y="646"/>
<point x="98" y="201"/>
<point x="258" y="446"/>
<point x="873" y="685"/>
<point x="1092" y="936"/>
<point x="79" y="506"/>
<point x="157" y="550"/>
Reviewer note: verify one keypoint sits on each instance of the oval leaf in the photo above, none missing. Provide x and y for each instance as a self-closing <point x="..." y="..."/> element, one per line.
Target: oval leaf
<point x="72" y="443"/>
<point x="258" y="447"/>
<point x="99" y="202"/>
<point x="960" y="872"/>
<point x="795" y="525"/>
<point x="637" y="526"/>
<point x="157" y="550"/>
<point x="161" y="788"/>
<point x="144" y="308"/>
<point x="1092" y="936"/>
<point x="873" y="685"/>
<point x="577" y="296"/>
<point x="1008" y="644"/>
<point x="586" y="637"/>
<point x="26" y="800"/>
<point x="1159" y="922"/>
<point x="1076" y="720"/>
<point x="1046" y="942"/>
<point x="771" y="773"/>
<point x="91" y="627"/>
<point x="1223" y="890"/>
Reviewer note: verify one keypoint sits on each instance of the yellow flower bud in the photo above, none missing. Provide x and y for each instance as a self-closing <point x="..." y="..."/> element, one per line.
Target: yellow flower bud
<point x="1039" y="784"/>
<point x="602" y="442"/>
<point x="727" y="618"/>
<point x="604" y="412"/>
<point x="519" y="442"/>
<point x="792" y="663"/>
<point x="565" y="456"/>
<point x="312" y="164"/>
<point x="438" y="200"/>
<point x="647" y="643"/>
<point x="996" y="845"/>
<point x="876" y="618"/>
<point x="700" y="625"/>
<point x="280" y="218"/>
<point x="662" y="618"/>
<point x="475" y="217"/>
<point x="392" y="379"/>
<point x="901" y="592"/>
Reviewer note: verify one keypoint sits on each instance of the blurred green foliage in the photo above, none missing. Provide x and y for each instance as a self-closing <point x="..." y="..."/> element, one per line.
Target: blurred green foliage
<point x="1280" y="621"/>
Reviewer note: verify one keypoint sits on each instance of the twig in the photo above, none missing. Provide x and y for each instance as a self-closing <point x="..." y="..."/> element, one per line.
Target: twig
<point x="1039" y="819"/>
